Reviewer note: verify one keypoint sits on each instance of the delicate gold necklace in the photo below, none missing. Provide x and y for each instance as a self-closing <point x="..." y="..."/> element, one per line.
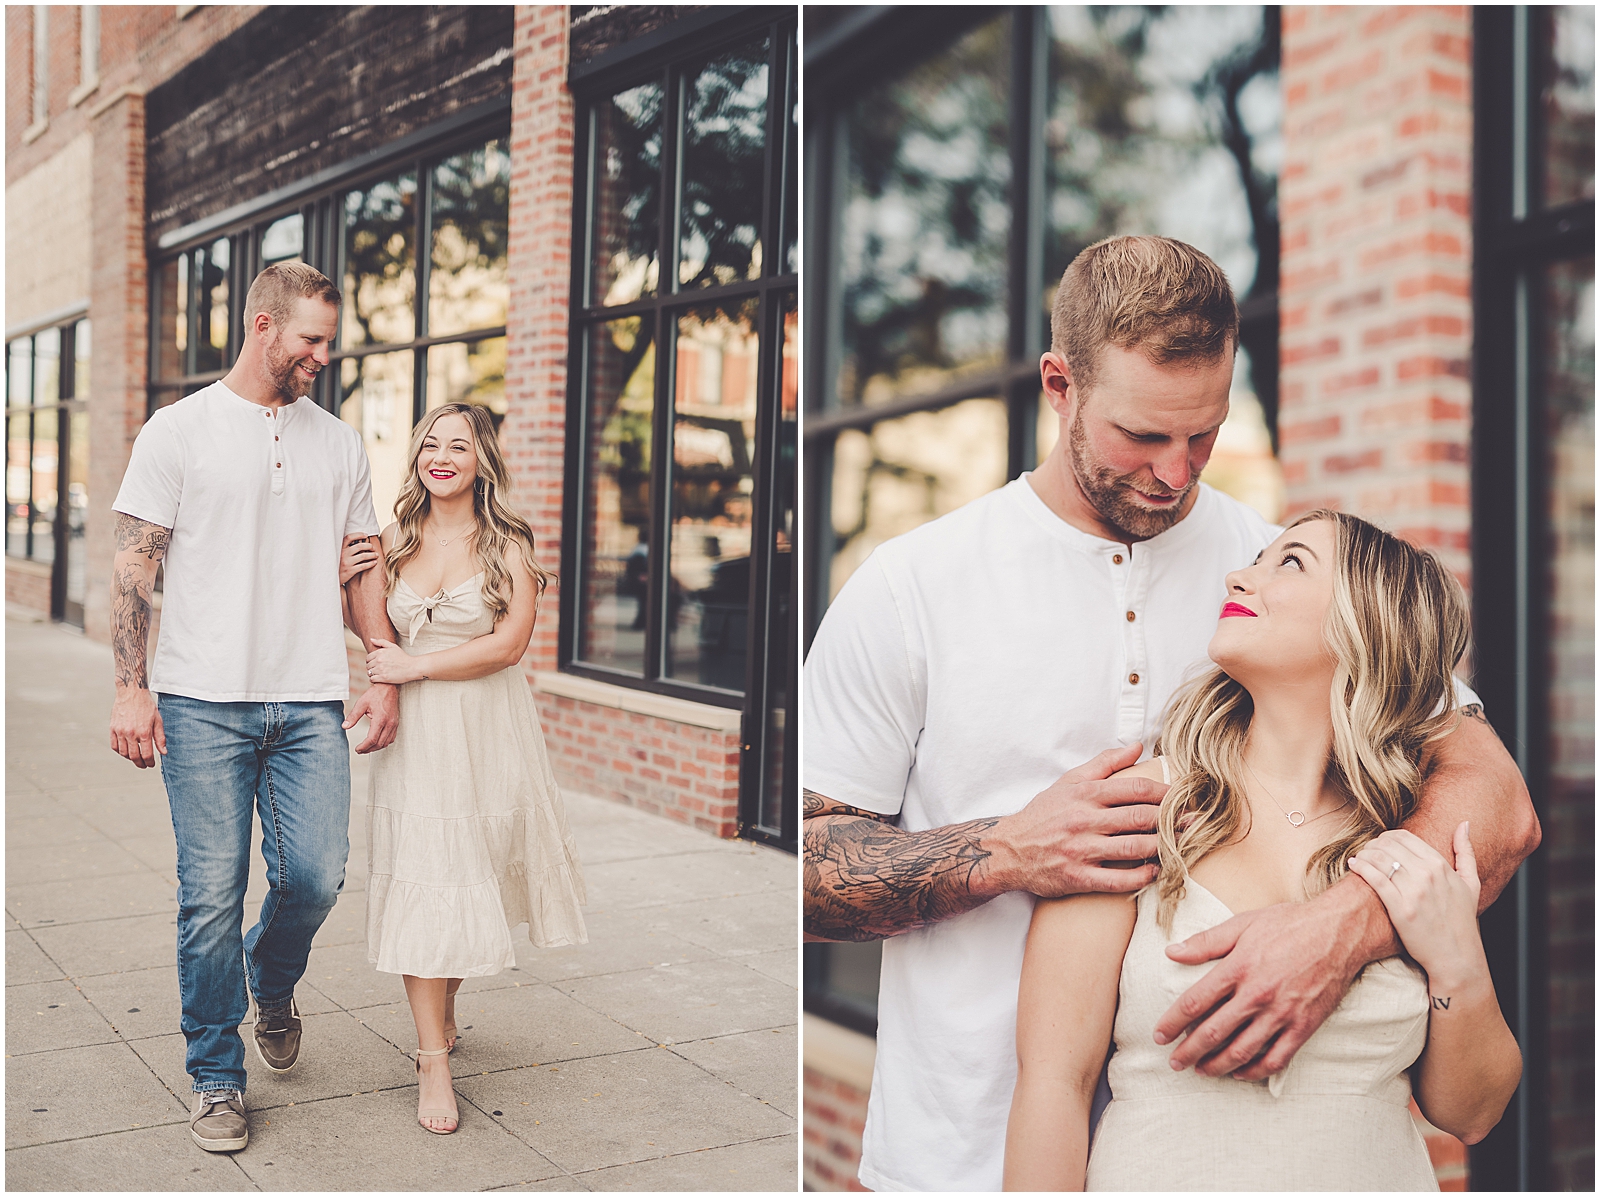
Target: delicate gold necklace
<point x="1297" y="818"/>
<point x="456" y="534"/>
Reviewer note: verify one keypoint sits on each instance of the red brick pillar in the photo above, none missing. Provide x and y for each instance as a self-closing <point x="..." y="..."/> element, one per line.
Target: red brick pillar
<point x="118" y="303"/>
<point x="533" y="434"/>
<point x="1375" y="200"/>
<point x="1375" y="290"/>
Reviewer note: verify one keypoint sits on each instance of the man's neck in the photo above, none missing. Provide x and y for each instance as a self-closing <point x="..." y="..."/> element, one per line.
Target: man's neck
<point x="1054" y="481"/>
<point x="248" y="381"/>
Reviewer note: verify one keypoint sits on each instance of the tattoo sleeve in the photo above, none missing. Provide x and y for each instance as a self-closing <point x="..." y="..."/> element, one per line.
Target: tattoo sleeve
<point x="132" y="581"/>
<point x="867" y="879"/>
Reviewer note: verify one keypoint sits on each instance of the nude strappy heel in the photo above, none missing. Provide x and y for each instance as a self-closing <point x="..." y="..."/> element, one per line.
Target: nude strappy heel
<point x="421" y="1114"/>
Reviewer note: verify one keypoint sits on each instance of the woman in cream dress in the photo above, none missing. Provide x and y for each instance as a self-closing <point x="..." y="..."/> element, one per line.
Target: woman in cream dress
<point x="1293" y="761"/>
<point x="466" y="835"/>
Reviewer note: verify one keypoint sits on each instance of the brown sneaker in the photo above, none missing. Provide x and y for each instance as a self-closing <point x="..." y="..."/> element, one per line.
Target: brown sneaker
<point x="277" y="1034"/>
<point x="218" y="1122"/>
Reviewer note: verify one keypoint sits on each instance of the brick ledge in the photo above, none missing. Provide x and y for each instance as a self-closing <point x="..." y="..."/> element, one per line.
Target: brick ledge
<point x="839" y="1052"/>
<point x="640" y="702"/>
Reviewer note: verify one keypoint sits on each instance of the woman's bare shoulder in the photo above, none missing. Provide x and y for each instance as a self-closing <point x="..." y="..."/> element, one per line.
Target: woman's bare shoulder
<point x="386" y="537"/>
<point x="1150" y="768"/>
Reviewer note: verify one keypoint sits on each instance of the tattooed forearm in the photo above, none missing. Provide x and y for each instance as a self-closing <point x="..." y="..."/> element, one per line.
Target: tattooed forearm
<point x="866" y="879"/>
<point x="130" y="623"/>
<point x="142" y="537"/>
<point x="141" y="546"/>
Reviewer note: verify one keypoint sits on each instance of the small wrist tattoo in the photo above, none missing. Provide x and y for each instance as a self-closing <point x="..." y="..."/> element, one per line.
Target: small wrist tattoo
<point x="1439" y="1003"/>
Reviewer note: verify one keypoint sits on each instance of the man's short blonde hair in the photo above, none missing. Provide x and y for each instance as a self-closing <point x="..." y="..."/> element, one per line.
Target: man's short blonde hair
<point x="278" y="287"/>
<point x="1159" y="296"/>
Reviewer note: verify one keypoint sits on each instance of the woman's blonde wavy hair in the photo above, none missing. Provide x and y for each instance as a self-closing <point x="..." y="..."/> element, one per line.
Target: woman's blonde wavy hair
<point x="1397" y="624"/>
<point x="498" y="525"/>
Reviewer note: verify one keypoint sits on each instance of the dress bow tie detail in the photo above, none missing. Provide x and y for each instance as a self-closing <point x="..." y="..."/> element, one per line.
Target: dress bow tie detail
<point x="424" y="613"/>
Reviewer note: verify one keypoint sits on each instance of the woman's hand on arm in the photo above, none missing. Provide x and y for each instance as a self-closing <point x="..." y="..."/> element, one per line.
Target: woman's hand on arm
<point x="1471" y="1065"/>
<point x="1066" y="1008"/>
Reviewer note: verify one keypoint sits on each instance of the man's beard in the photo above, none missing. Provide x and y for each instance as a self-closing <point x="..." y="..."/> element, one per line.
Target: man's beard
<point x="284" y="371"/>
<point x="1107" y="492"/>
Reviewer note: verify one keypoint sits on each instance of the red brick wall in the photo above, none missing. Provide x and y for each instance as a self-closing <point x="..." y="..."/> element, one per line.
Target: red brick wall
<point x="28" y="585"/>
<point x="686" y="773"/>
<point x="19" y="74"/>
<point x="1375" y="285"/>
<point x="836" y="1113"/>
<point x="140" y="45"/>
<point x="533" y="434"/>
<point x="118" y="303"/>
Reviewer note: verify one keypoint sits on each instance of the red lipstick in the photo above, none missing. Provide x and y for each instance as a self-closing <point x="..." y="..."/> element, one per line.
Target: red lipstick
<point x="1232" y="609"/>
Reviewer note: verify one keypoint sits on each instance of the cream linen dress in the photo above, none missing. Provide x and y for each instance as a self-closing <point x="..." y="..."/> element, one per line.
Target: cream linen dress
<point x="1336" y="1118"/>
<point x="466" y="834"/>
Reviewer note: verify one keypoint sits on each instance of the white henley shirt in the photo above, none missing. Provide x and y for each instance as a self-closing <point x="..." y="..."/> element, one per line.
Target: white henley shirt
<point x="259" y="501"/>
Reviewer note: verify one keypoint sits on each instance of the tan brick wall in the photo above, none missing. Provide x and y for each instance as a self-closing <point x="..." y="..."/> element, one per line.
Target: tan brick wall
<point x="1375" y="290"/>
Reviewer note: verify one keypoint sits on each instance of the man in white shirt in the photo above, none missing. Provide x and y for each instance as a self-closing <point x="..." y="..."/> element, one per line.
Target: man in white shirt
<point x="966" y="664"/>
<point x="247" y="490"/>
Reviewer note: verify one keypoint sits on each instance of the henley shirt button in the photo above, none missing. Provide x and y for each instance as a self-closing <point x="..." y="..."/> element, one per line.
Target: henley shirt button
<point x="279" y="464"/>
<point x="1133" y="679"/>
<point x="1116" y="559"/>
<point x="1130" y="616"/>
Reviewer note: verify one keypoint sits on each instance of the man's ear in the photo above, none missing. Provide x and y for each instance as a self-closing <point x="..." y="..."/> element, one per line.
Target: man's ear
<point x="260" y="323"/>
<point x="1055" y="376"/>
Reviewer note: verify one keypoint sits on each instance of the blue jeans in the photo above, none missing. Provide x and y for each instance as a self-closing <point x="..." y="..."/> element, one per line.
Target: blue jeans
<point x="291" y="761"/>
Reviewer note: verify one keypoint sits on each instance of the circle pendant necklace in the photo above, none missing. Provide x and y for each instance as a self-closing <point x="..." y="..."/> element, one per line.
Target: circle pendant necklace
<point x="1296" y="818"/>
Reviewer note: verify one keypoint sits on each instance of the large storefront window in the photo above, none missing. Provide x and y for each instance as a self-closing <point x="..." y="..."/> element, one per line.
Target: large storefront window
<point x="47" y="458"/>
<point x="395" y="357"/>
<point x="957" y="160"/>
<point x="684" y="387"/>
<point x="950" y="189"/>
<point x="1534" y="556"/>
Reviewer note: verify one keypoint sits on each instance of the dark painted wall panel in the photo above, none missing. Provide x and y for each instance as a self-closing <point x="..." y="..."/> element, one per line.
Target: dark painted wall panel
<point x="300" y="89"/>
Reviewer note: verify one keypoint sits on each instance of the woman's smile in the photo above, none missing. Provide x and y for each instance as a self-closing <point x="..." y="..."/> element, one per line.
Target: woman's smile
<point x="1230" y="610"/>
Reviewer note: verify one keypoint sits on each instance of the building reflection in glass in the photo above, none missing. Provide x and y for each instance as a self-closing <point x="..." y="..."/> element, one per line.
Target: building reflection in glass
<point x="713" y="432"/>
<point x="621" y="388"/>
<point x="375" y="399"/>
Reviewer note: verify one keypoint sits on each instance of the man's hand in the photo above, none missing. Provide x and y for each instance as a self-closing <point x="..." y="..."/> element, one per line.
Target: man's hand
<point x="380" y="703"/>
<point x="1283" y="970"/>
<point x="136" y="731"/>
<point x="867" y="879"/>
<point x="1056" y="845"/>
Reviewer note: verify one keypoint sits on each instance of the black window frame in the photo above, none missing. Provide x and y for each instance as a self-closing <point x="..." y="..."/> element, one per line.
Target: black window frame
<point x="1515" y="236"/>
<point x="668" y="56"/>
<point x="319" y="200"/>
<point x="65" y="403"/>
<point x="855" y="54"/>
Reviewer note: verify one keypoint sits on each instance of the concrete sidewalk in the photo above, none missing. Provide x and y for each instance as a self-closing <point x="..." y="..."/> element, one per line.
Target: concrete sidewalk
<point x="663" y="1054"/>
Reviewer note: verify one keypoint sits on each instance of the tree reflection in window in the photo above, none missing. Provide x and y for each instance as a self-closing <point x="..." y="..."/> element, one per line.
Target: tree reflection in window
<point x="724" y="144"/>
<point x="380" y="280"/>
<point x="627" y="196"/>
<point x="468" y="284"/>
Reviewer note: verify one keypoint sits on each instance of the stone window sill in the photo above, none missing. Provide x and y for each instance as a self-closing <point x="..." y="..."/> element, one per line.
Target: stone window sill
<point x="83" y="91"/>
<point x="34" y="569"/>
<point x="35" y="131"/>
<point x="640" y="702"/>
<point x="839" y="1052"/>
